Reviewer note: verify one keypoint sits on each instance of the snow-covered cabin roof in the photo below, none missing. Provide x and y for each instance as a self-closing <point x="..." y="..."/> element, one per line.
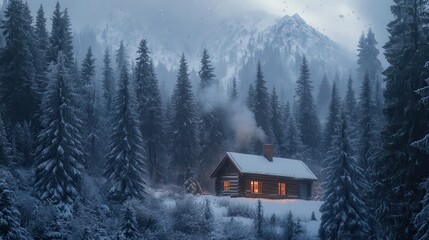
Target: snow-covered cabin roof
<point x="283" y="167"/>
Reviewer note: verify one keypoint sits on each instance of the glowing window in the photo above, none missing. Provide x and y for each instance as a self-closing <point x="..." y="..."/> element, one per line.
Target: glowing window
<point x="282" y="188"/>
<point x="226" y="185"/>
<point x="255" y="187"/>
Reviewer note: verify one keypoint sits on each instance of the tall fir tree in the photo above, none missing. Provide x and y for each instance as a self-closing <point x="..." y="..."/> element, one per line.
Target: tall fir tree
<point x="349" y="102"/>
<point x="276" y="124"/>
<point x="212" y="132"/>
<point x="308" y="122"/>
<point x="206" y="73"/>
<point x="333" y="116"/>
<point x="323" y="97"/>
<point x="41" y="45"/>
<point x="368" y="62"/>
<point x="129" y="226"/>
<point x="261" y="100"/>
<point x="292" y="141"/>
<point x="420" y="219"/>
<point x="400" y="169"/>
<point x="16" y="65"/>
<point x="6" y="152"/>
<point x="184" y="124"/>
<point x="108" y="82"/>
<point x="150" y="110"/>
<point x="121" y="59"/>
<point x="365" y="125"/>
<point x="61" y="39"/>
<point x="10" y="217"/>
<point x="59" y="153"/>
<point x="344" y="211"/>
<point x="90" y="111"/>
<point x="125" y="168"/>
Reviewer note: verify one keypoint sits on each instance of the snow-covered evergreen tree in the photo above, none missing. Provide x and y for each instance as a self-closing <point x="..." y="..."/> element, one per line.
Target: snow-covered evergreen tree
<point x="125" y="168"/>
<point x="108" y="82"/>
<point x="333" y="115"/>
<point x="10" y="222"/>
<point x="42" y="46"/>
<point x="150" y="110"/>
<point x="308" y="122"/>
<point x="121" y="59"/>
<point x="276" y="124"/>
<point x="344" y="211"/>
<point x="261" y="109"/>
<point x="251" y="97"/>
<point x="16" y="65"/>
<point x="6" y="152"/>
<point x="292" y="142"/>
<point x="61" y="39"/>
<point x="420" y="220"/>
<point x="323" y="97"/>
<point x="129" y="230"/>
<point x="259" y="220"/>
<point x="365" y="125"/>
<point x="90" y="111"/>
<point x="349" y="108"/>
<point x="401" y="167"/>
<point x="212" y="134"/>
<point x="185" y="124"/>
<point x="368" y="62"/>
<point x="59" y="156"/>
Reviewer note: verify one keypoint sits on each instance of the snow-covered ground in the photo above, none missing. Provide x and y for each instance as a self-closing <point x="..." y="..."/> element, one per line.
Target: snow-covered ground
<point x="301" y="209"/>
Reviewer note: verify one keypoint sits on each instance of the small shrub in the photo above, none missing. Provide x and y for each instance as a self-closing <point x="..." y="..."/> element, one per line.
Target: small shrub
<point x="187" y="217"/>
<point x="240" y="210"/>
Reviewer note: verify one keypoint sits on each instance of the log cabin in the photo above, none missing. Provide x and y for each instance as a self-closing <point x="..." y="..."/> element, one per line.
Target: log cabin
<point x="255" y="176"/>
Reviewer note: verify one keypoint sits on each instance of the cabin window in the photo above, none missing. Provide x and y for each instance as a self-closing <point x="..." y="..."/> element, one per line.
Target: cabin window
<point x="226" y="185"/>
<point x="282" y="188"/>
<point x="255" y="187"/>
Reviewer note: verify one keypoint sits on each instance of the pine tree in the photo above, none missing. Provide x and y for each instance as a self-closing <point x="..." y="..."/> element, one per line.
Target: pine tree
<point x="90" y="109"/>
<point x="16" y="64"/>
<point x="206" y="72"/>
<point x="368" y="58"/>
<point x="259" y="220"/>
<point x="10" y="226"/>
<point x="184" y="124"/>
<point x="41" y="45"/>
<point x="420" y="220"/>
<point x="213" y="132"/>
<point x="401" y="167"/>
<point x="59" y="156"/>
<point x="234" y="91"/>
<point x="6" y="152"/>
<point x="365" y="125"/>
<point x="125" y="167"/>
<point x="323" y="97"/>
<point x="129" y="230"/>
<point x="292" y="144"/>
<point x="344" y="212"/>
<point x="121" y="58"/>
<point x="150" y="110"/>
<point x="61" y="39"/>
<point x="108" y="82"/>
<point x="261" y="108"/>
<point x="276" y="123"/>
<point x="308" y="122"/>
<point x="334" y="109"/>
<point x="349" y="103"/>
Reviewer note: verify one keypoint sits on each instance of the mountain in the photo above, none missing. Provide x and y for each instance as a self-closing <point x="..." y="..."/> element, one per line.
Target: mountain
<point x="236" y="44"/>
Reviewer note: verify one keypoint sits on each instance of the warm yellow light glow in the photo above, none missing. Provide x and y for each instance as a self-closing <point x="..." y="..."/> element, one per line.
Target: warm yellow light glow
<point x="226" y="185"/>
<point x="254" y="186"/>
<point x="282" y="188"/>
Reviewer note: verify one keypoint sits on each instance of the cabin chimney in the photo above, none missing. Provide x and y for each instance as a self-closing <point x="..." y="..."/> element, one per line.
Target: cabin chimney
<point x="268" y="152"/>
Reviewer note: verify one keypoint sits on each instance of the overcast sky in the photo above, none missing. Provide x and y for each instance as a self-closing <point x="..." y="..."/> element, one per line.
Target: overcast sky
<point x="341" y="20"/>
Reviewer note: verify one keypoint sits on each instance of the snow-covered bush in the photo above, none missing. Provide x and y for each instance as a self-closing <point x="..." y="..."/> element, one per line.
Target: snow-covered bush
<point x="234" y="230"/>
<point x="240" y="210"/>
<point x="188" y="217"/>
